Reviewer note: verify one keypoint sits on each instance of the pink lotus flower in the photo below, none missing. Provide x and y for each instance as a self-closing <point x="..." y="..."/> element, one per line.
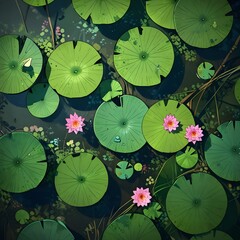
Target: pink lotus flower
<point x="170" y="123"/>
<point x="75" y="123"/>
<point x="141" y="196"/>
<point x="194" y="134"/>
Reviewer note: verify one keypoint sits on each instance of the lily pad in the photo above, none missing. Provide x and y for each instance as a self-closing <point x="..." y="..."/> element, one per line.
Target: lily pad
<point x="124" y="170"/>
<point x="143" y="55"/>
<point x="131" y="227"/>
<point x="42" y="100"/>
<point x="203" y="24"/>
<point x="110" y="89"/>
<point x="82" y="180"/>
<point x="38" y="3"/>
<point x="205" y="71"/>
<point x="73" y="69"/>
<point x="161" y="12"/>
<point x="101" y="12"/>
<point x="188" y="158"/>
<point x="223" y="153"/>
<point x="22" y="216"/>
<point x="22" y="163"/>
<point x="15" y="52"/>
<point x="237" y="90"/>
<point x="153" y="129"/>
<point x="45" y="229"/>
<point x="152" y="210"/>
<point x="196" y="205"/>
<point x="213" y="235"/>
<point x="119" y="128"/>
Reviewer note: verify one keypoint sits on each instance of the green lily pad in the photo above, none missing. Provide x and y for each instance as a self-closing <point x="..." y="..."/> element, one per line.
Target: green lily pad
<point x="203" y="24"/>
<point x="22" y="216"/>
<point x="188" y="158"/>
<point x="42" y="100"/>
<point x="38" y="3"/>
<point x="205" y="71"/>
<point x="82" y="180"/>
<point x="119" y="128"/>
<point x="165" y="178"/>
<point x="101" y="12"/>
<point x="237" y="90"/>
<point x="152" y="210"/>
<point x="196" y="205"/>
<point x="21" y="63"/>
<point x="78" y="73"/>
<point x="143" y="55"/>
<point x="223" y="153"/>
<point x="45" y="229"/>
<point x="124" y="170"/>
<point x="213" y="235"/>
<point x="131" y="227"/>
<point x="110" y="89"/>
<point x="161" y="12"/>
<point x="153" y="129"/>
<point x="22" y="163"/>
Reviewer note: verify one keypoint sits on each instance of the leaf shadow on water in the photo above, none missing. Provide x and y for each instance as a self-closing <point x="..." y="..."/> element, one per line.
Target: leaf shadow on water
<point x="169" y="84"/>
<point x="131" y="19"/>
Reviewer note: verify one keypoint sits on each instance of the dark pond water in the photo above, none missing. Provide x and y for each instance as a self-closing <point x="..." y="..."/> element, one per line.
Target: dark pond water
<point x="209" y="112"/>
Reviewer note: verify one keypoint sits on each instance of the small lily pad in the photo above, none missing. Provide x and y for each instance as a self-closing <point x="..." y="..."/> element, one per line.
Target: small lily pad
<point x="22" y="216"/>
<point x="188" y="158"/>
<point x="205" y="71"/>
<point x="152" y="210"/>
<point x="110" y="89"/>
<point x="124" y="170"/>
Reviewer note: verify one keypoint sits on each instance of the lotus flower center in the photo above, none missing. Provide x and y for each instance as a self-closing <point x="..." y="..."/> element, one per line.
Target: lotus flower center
<point x="141" y="196"/>
<point x="170" y="123"/>
<point x="75" y="124"/>
<point x="194" y="133"/>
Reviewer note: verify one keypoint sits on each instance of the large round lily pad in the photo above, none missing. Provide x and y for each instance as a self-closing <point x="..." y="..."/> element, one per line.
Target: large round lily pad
<point x="143" y="55"/>
<point x="203" y="24"/>
<point x="161" y="12"/>
<point x="22" y="162"/>
<point x="131" y="227"/>
<point x="82" y="180"/>
<point x="45" y="230"/>
<point x="101" y="12"/>
<point x="223" y="153"/>
<point x="74" y="70"/>
<point x="213" y="235"/>
<point x="153" y="129"/>
<point x="21" y="63"/>
<point x="119" y="128"/>
<point x="42" y="100"/>
<point x="196" y="205"/>
<point x="38" y="3"/>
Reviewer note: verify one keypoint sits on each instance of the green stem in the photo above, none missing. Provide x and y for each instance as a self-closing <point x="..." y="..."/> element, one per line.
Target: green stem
<point x="21" y="14"/>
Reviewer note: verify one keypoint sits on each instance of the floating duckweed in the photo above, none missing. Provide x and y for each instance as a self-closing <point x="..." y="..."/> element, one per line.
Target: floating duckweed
<point x="25" y="129"/>
<point x="97" y="46"/>
<point x="62" y="30"/>
<point x="138" y="167"/>
<point x="62" y="40"/>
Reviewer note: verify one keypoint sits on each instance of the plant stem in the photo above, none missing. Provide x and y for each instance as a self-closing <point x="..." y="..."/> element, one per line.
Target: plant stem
<point x="21" y="14"/>
<point x="216" y="105"/>
<point x="50" y="25"/>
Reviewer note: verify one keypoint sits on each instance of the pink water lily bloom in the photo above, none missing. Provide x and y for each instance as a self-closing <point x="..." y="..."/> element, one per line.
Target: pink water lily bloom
<point x="194" y="134"/>
<point x="75" y="123"/>
<point x="141" y="196"/>
<point x="170" y="123"/>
